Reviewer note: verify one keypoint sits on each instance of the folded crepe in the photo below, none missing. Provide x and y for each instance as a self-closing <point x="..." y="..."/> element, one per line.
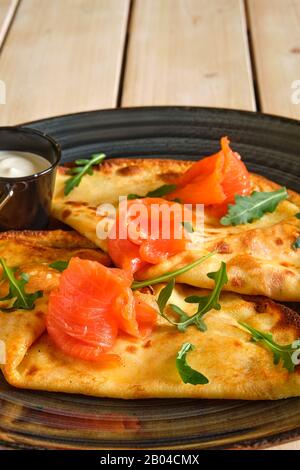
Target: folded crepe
<point x="237" y="368"/>
<point x="259" y="255"/>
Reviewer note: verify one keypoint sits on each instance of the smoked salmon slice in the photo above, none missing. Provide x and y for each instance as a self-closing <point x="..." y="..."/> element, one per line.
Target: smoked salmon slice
<point x="89" y="308"/>
<point x="76" y="348"/>
<point x="236" y="178"/>
<point x="153" y="230"/>
<point x="214" y="180"/>
<point x="123" y="252"/>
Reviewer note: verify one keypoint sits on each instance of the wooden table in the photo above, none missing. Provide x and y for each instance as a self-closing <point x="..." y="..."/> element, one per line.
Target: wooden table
<point x="63" y="56"/>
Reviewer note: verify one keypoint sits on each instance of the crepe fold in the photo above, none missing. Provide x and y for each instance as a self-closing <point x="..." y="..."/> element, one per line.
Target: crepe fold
<point x="236" y="367"/>
<point x="260" y="256"/>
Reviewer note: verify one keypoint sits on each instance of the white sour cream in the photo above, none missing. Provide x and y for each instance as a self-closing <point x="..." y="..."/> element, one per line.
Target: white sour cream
<point x="14" y="164"/>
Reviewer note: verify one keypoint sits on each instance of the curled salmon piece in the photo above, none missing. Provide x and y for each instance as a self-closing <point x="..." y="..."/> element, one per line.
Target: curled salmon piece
<point x="89" y="308"/>
<point x="151" y="231"/>
<point x="214" y="181"/>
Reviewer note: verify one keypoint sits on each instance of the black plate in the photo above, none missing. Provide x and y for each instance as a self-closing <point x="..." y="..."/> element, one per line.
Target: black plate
<point x="271" y="147"/>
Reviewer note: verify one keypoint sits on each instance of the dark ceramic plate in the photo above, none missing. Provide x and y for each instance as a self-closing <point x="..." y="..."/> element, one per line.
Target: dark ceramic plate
<point x="271" y="147"/>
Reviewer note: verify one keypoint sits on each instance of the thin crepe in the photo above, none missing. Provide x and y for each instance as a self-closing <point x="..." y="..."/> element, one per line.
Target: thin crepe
<point x="260" y="257"/>
<point x="236" y="367"/>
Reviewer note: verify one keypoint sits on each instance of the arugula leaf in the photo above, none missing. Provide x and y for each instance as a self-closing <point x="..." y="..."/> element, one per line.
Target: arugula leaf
<point x="177" y="200"/>
<point x="22" y="300"/>
<point x="83" y="167"/>
<point x="287" y="353"/>
<point x="185" y="319"/>
<point x="76" y="170"/>
<point x="167" y="276"/>
<point x="59" y="265"/>
<point x="162" y="301"/>
<point x="249" y="208"/>
<point x="7" y="304"/>
<point x="165" y="294"/>
<point x="159" y="192"/>
<point x="298" y="215"/>
<point x="181" y="314"/>
<point x="82" y="161"/>
<point x="132" y="196"/>
<point x="296" y="243"/>
<point x="162" y="190"/>
<point x="188" y="227"/>
<point x="205" y="302"/>
<point x="187" y="374"/>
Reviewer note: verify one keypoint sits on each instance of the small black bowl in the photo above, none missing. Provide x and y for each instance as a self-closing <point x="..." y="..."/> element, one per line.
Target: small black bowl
<point x="25" y="201"/>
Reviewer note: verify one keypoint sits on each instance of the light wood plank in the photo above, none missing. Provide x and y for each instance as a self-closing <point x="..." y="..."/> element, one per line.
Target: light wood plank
<point x="275" y="30"/>
<point x="62" y="57"/>
<point x="7" y="11"/>
<point x="294" y="445"/>
<point x="188" y="52"/>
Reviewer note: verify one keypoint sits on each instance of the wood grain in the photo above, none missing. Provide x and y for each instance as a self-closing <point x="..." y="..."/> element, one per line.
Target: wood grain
<point x="275" y="30"/>
<point x="7" y="11"/>
<point x="188" y="52"/>
<point x="62" y="57"/>
<point x="293" y="445"/>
